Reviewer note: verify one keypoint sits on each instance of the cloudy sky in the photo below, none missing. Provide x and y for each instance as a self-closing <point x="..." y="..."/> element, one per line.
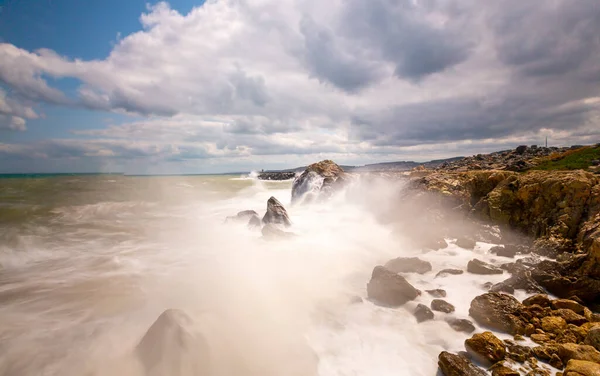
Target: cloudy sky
<point x="235" y="85"/>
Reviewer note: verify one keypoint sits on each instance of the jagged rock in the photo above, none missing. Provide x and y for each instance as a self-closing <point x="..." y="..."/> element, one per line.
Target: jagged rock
<point x="173" y="347"/>
<point x="503" y="370"/>
<point x="465" y="242"/>
<point x="445" y="272"/>
<point x="441" y="306"/>
<point x="476" y="266"/>
<point x="539" y="299"/>
<point x="582" y="368"/>
<point x="570" y="316"/>
<point x="593" y="338"/>
<point x="319" y="179"/>
<point x="498" y="311"/>
<point x="408" y="265"/>
<point x="461" y="325"/>
<point x="389" y="289"/>
<point x="486" y="348"/>
<point x="553" y="324"/>
<point x="437" y="293"/>
<point x="568" y="351"/>
<point x="456" y="365"/>
<point x="568" y="304"/>
<point x="423" y="313"/>
<point x="276" y="213"/>
<point x="273" y="232"/>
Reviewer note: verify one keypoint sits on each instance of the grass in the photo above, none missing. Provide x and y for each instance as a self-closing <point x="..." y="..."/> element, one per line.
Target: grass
<point x="577" y="159"/>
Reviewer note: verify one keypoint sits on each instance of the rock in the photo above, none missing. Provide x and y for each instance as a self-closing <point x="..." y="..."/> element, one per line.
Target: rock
<point x="568" y="304"/>
<point x="466" y="242"/>
<point x="320" y="179"/>
<point x="486" y="348"/>
<point x="553" y="324"/>
<point x="521" y="149"/>
<point x="570" y="316"/>
<point x="254" y="222"/>
<point x="556" y="362"/>
<point x="499" y="312"/>
<point x="243" y="216"/>
<point x="446" y="272"/>
<point x="456" y="365"/>
<point x="508" y="250"/>
<point x="568" y="351"/>
<point x="441" y="306"/>
<point x="476" y="266"/>
<point x="171" y="346"/>
<point x="539" y="299"/>
<point x="522" y="281"/>
<point x="461" y="325"/>
<point x="272" y="232"/>
<point x="423" y="313"/>
<point x="389" y="289"/>
<point x="545" y="352"/>
<point x="540" y="338"/>
<point x="516" y="352"/>
<point x="276" y="175"/>
<point x="582" y="368"/>
<point x="437" y="293"/>
<point x="408" y="265"/>
<point x="593" y="338"/>
<point x="434" y="244"/>
<point x="503" y="287"/>
<point x="504" y="371"/>
<point x="276" y="213"/>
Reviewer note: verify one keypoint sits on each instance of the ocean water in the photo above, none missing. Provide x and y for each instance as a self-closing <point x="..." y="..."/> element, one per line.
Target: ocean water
<point x="88" y="263"/>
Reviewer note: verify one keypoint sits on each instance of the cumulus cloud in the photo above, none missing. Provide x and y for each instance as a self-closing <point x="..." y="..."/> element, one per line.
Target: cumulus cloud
<point x="355" y="79"/>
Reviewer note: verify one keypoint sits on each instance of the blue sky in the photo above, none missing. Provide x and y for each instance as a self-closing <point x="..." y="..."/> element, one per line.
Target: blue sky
<point x="230" y="85"/>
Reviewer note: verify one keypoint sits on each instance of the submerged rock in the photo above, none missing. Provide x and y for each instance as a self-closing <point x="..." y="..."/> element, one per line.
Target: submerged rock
<point x="486" y="348"/>
<point x="438" y="293"/>
<point x="423" y="313"/>
<point x="389" y="289"/>
<point x="276" y="213"/>
<point x="456" y="365"/>
<point x="441" y="306"/>
<point x="408" y="265"/>
<point x="476" y="266"/>
<point x="445" y="272"/>
<point x="461" y="325"/>
<point x="319" y="179"/>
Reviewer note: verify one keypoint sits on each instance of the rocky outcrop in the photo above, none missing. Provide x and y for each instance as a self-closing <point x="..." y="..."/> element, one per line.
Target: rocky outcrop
<point x="276" y="213"/>
<point x="408" y="265"/>
<point x="389" y="289"/>
<point x="320" y="179"/>
<point x="456" y="365"/>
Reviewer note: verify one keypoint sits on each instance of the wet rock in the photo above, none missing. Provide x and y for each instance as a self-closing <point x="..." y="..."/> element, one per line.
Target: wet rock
<point x="545" y="352"/>
<point x="503" y="287"/>
<point x="517" y="352"/>
<point x="568" y="351"/>
<point x="423" y="313"/>
<point x="556" y="362"/>
<point x="593" y="338"/>
<point x="437" y="293"/>
<point x="273" y="232"/>
<point x="539" y="299"/>
<point x="553" y="324"/>
<point x="254" y="222"/>
<point x="441" y="306"/>
<point x="504" y="371"/>
<point x="243" y="216"/>
<point x="389" y="289"/>
<point x="570" y="316"/>
<point x="461" y="325"/>
<point x="540" y="338"/>
<point x="476" y="266"/>
<point x="320" y="179"/>
<point x="508" y="250"/>
<point x="521" y="281"/>
<point x="445" y="272"/>
<point x="276" y="213"/>
<point x="582" y="368"/>
<point x="172" y="346"/>
<point x="456" y="365"/>
<point x="466" y="242"/>
<point x="499" y="312"/>
<point x="408" y="265"/>
<point x="486" y="348"/>
<point x="276" y="175"/>
<point x="568" y="304"/>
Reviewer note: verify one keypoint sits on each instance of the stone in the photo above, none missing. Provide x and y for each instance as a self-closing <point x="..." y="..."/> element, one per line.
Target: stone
<point x="521" y="149"/>
<point x="456" y="365"/>
<point x="242" y="216"/>
<point x="556" y="362"/>
<point x="593" y="338"/>
<point x="499" y="312"/>
<point x="441" y="306"/>
<point x="276" y="213"/>
<point x="445" y="272"/>
<point x="539" y="299"/>
<point x="568" y="351"/>
<point x="423" y="313"/>
<point x="486" y="348"/>
<point x="540" y="338"/>
<point x="408" y="265"/>
<point x="553" y="324"/>
<point x="568" y="304"/>
<point x="273" y="232"/>
<point x="172" y="346"/>
<point x="582" y="368"/>
<point x="319" y="180"/>
<point x="516" y="352"/>
<point x="254" y="222"/>
<point x="437" y="293"/>
<point x="570" y="316"/>
<point x="476" y="266"/>
<point x="434" y="244"/>
<point x="461" y="325"/>
<point x="466" y="242"/>
<point x="504" y="371"/>
<point x="508" y="250"/>
<point x="389" y="289"/>
<point x="545" y="351"/>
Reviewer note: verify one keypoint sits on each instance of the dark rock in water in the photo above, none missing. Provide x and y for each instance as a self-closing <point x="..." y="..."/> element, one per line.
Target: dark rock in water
<point x="438" y="293"/>
<point x="466" y="242"/>
<point x="461" y="325"/>
<point x="242" y="216"/>
<point x="499" y="312"/>
<point x="520" y="281"/>
<point x="423" y="313"/>
<point x="276" y="175"/>
<point x="487" y="285"/>
<point x="486" y="348"/>
<point x="389" y="289"/>
<point x="441" y="306"/>
<point x="319" y="179"/>
<point x="446" y="272"/>
<point x="273" y="232"/>
<point x="502" y="287"/>
<point x="456" y="365"/>
<point x="408" y="265"/>
<point x="254" y="222"/>
<point x="172" y="347"/>
<point x="476" y="266"/>
<point x="276" y="213"/>
<point x="508" y="250"/>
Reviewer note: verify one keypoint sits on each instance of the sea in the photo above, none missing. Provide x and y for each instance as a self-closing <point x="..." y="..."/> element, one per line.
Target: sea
<point x="88" y="263"/>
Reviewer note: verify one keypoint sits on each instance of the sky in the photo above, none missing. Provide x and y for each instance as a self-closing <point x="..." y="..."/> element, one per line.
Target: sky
<point x="238" y="85"/>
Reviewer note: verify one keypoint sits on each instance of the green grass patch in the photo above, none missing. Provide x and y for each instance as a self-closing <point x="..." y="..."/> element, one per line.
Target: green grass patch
<point x="577" y="159"/>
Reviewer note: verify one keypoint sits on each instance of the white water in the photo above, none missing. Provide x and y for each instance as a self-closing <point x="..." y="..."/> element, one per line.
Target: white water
<point x="81" y="302"/>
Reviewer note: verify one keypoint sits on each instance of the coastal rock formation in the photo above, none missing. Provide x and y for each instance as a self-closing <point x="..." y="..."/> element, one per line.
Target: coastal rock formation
<point x="582" y="368"/>
<point x="486" y="348"/>
<point x="498" y="311"/>
<point x="320" y="179"/>
<point x="456" y="365"/>
<point x="441" y="306"/>
<point x="277" y="175"/>
<point x="408" y="265"/>
<point x="423" y="313"/>
<point x="276" y="213"/>
<point x="461" y="325"/>
<point x="476" y="266"/>
<point x="389" y="289"/>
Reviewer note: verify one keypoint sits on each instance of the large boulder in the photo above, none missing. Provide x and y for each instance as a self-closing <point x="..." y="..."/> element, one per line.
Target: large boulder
<point x="276" y="213"/>
<point x="408" y="265"/>
<point x="582" y="368"/>
<point x="456" y="365"/>
<point x="477" y="266"/>
<point x="389" y="289"/>
<point x="499" y="312"/>
<point x="172" y="346"/>
<point x="486" y="348"/>
<point x="319" y="179"/>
